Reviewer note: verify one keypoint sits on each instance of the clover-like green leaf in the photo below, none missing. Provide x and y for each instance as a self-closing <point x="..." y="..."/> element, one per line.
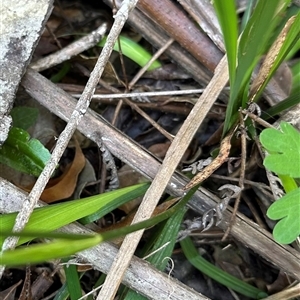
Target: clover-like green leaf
<point x="287" y="210"/>
<point x="23" y="153"/>
<point x="284" y="150"/>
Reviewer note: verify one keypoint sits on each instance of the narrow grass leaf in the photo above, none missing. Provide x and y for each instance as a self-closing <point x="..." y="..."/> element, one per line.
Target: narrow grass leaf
<point x="54" y="216"/>
<point x="134" y="51"/>
<point x="227" y="17"/>
<point x="296" y="76"/>
<point x="253" y="43"/>
<point x="217" y="274"/>
<point x="281" y="106"/>
<point x="63" y="293"/>
<point x="66" y="66"/>
<point x="65" y="247"/>
<point x="38" y="253"/>
<point x="247" y="13"/>
<point x="166" y="238"/>
<point x="72" y="280"/>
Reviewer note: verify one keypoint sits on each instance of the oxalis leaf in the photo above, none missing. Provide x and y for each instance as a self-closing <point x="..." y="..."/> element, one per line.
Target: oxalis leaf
<point x="288" y="210"/>
<point x="284" y="150"/>
<point x="283" y="147"/>
<point x="23" y="153"/>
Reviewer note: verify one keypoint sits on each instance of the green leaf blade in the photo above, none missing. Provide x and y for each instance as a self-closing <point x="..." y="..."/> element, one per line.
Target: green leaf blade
<point x="67" y="245"/>
<point x="252" y="45"/>
<point x="290" y="38"/>
<point x="72" y="280"/>
<point x="38" y="253"/>
<point x="54" y="216"/>
<point x="217" y="274"/>
<point x="134" y="51"/>
<point x="227" y="17"/>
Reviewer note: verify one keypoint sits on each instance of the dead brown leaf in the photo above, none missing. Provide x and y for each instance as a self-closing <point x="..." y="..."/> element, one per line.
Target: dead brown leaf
<point x="63" y="186"/>
<point x="269" y="60"/>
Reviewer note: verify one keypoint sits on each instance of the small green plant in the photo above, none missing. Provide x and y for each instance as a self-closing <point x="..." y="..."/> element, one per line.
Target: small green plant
<point x="23" y="153"/>
<point x="272" y="29"/>
<point x="283" y="158"/>
<point x="19" y="151"/>
<point x="265" y="31"/>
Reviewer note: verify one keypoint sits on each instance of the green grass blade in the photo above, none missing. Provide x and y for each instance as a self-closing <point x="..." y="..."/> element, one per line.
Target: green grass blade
<point x="54" y="216"/>
<point x="129" y="195"/>
<point x="247" y="13"/>
<point x="287" y="103"/>
<point x="226" y="13"/>
<point x="167" y="236"/>
<point x="63" y="292"/>
<point x="296" y="76"/>
<point x="255" y="38"/>
<point x="293" y="51"/>
<point x="217" y="274"/>
<point x="65" y="247"/>
<point x="150" y="222"/>
<point x="134" y="51"/>
<point x="38" y="253"/>
<point x="253" y="43"/>
<point x="72" y="280"/>
<point x="65" y="68"/>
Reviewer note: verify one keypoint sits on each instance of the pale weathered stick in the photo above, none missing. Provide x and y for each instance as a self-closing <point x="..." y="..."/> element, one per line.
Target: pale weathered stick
<point x="144" y="94"/>
<point x="63" y="140"/>
<point x="73" y="49"/>
<point x="173" y="157"/>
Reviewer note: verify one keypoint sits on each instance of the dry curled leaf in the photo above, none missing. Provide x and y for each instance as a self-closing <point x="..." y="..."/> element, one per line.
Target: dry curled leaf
<point x="63" y="186"/>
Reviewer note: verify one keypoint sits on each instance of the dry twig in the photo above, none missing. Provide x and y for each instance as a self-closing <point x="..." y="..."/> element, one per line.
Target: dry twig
<point x="215" y="164"/>
<point x="242" y="175"/>
<point x="73" y="49"/>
